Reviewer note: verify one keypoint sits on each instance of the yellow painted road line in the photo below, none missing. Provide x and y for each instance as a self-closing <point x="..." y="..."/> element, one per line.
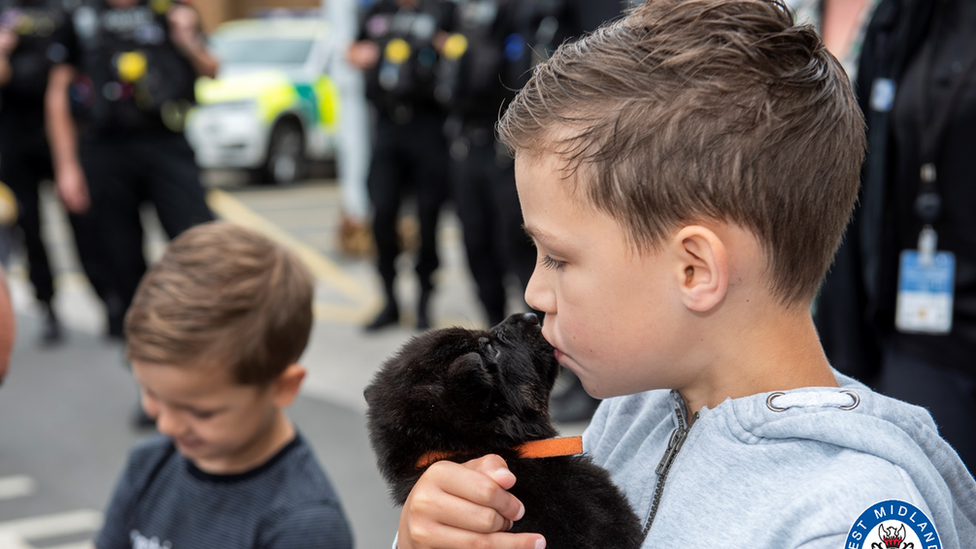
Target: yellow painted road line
<point x="50" y="526"/>
<point x="366" y="301"/>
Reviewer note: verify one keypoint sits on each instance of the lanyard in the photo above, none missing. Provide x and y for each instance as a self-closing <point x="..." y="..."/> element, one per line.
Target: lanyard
<point x="928" y="203"/>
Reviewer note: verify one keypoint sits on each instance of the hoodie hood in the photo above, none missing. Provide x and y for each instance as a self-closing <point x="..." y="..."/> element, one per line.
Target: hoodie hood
<point x="854" y="417"/>
<point x="782" y="469"/>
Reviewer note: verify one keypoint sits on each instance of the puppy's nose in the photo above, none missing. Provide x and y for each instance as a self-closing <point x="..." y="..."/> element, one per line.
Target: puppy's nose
<point x="531" y="318"/>
<point x="366" y="393"/>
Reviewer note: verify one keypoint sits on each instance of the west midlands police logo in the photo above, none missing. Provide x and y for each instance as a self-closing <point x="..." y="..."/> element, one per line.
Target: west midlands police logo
<point x="893" y="524"/>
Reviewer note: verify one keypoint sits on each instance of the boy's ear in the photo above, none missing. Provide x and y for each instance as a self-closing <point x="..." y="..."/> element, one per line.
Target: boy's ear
<point x="287" y="385"/>
<point x="702" y="268"/>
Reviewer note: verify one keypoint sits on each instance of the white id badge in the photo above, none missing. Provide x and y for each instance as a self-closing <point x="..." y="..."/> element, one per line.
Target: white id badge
<point x="925" y="291"/>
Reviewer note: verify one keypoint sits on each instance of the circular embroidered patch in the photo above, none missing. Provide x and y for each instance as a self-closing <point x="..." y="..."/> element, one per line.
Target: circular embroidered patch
<point x="893" y="524"/>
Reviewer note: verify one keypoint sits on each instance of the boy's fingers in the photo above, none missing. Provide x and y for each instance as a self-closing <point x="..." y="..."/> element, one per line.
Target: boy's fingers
<point x="455" y="506"/>
<point x="455" y="539"/>
<point x="495" y="468"/>
<point x="469" y="486"/>
<point x="458" y="512"/>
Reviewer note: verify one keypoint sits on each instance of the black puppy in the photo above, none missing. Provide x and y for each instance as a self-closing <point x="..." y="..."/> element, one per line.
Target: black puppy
<point x="460" y="394"/>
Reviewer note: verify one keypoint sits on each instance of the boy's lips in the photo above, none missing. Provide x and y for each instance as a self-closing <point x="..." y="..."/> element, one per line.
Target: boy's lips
<point x="187" y="444"/>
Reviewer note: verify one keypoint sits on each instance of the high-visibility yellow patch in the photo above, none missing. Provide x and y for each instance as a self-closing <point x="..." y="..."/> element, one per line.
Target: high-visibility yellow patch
<point x="397" y="51"/>
<point x="455" y="46"/>
<point x="327" y="95"/>
<point x="160" y="6"/>
<point x="131" y="66"/>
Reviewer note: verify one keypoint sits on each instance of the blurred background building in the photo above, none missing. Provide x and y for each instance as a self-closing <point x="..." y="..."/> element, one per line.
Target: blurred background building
<point x="215" y="12"/>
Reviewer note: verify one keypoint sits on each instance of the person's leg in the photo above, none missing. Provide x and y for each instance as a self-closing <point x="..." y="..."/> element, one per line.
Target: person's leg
<point x="116" y="193"/>
<point x="385" y="191"/>
<point x="23" y="168"/>
<point x="91" y="256"/>
<point x="518" y="250"/>
<point x="473" y="200"/>
<point x="430" y="179"/>
<point x="173" y="183"/>
<point x="949" y="396"/>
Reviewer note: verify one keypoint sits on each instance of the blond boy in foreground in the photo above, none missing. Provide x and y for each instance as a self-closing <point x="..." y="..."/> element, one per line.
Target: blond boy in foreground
<point x="686" y="175"/>
<point x="214" y="336"/>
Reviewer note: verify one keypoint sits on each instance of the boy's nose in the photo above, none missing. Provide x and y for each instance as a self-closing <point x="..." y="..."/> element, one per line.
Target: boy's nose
<point x="169" y="424"/>
<point x="538" y="295"/>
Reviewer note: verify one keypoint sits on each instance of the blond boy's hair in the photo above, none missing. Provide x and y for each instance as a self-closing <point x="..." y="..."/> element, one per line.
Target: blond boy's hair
<point x="222" y="294"/>
<point x="688" y="110"/>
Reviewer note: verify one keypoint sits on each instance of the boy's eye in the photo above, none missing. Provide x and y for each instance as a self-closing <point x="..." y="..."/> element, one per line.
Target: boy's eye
<point x="550" y="263"/>
<point x="200" y="414"/>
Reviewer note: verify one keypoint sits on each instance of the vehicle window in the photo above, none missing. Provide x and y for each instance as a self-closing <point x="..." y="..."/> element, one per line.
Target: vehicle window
<point x="261" y="51"/>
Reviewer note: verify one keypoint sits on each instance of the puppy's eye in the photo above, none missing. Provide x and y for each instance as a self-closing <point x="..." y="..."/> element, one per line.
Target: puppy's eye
<point x="493" y="352"/>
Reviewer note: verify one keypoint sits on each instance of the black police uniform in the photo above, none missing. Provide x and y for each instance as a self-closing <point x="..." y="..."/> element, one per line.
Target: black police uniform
<point x="480" y="69"/>
<point x="135" y="89"/>
<point x="544" y="25"/>
<point x="25" y="159"/>
<point x="410" y="151"/>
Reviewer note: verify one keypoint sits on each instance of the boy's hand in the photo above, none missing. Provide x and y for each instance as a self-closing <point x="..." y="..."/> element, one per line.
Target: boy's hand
<point x="454" y="506"/>
<point x="363" y="54"/>
<point x="8" y="40"/>
<point x="183" y="25"/>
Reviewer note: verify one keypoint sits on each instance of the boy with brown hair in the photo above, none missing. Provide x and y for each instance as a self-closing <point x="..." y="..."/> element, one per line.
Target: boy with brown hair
<point x="214" y="336"/>
<point x="686" y="175"/>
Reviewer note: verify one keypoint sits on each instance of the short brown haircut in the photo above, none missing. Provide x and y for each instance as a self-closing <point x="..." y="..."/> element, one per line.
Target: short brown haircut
<point x="223" y="294"/>
<point x="705" y="109"/>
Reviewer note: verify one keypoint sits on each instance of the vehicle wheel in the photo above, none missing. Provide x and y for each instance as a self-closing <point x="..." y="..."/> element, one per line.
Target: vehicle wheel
<point x="286" y="155"/>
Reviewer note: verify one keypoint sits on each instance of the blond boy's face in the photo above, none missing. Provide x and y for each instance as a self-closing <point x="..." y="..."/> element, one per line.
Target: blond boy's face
<point x="609" y="311"/>
<point x="219" y="425"/>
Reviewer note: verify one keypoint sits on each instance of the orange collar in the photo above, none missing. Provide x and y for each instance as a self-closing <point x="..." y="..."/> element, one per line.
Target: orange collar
<point x="549" y="447"/>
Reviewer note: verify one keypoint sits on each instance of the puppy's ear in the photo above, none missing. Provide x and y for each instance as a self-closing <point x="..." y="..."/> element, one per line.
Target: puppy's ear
<point x="469" y="373"/>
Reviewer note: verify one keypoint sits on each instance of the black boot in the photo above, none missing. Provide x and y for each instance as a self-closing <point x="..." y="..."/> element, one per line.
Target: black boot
<point x="115" y="317"/>
<point x="51" y="332"/>
<point x="423" y="307"/>
<point x="389" y="316"/>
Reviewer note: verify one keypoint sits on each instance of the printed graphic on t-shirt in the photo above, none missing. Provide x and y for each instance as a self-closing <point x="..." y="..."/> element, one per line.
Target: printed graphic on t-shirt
<point x="893" y="524"/>
<point x="140" y="541"/>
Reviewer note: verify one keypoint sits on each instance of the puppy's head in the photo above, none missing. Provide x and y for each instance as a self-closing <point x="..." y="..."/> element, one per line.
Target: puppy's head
<point x="462" y="393"/>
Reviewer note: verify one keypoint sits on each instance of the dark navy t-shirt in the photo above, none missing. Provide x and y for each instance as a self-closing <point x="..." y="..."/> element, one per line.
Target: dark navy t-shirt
<point x="163" y="500"/>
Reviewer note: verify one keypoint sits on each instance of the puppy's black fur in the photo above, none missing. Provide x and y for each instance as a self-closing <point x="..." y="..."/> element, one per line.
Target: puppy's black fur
<point x="468" y="393"/>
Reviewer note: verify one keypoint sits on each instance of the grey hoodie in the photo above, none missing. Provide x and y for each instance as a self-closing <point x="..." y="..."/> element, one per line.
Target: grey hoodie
<point x="792" y="470"/>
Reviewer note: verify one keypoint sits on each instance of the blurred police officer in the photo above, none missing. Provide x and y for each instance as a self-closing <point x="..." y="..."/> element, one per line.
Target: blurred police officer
<point x="31" y="33"/>
<point x="132" y="65"/>
<point x="479" y="71"/>
<point x="542" y="26"/>
<point x="398" y="48"/>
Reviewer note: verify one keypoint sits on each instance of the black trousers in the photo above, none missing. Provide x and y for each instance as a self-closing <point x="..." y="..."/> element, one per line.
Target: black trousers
<point x="124" y="172"/>
<point x="25" y="161"/>
<point x="494" y="240"/>
<point x="411" y="156"/>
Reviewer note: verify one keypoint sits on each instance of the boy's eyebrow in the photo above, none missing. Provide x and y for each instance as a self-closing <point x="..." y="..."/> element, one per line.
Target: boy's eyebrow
<point x="538" y="235"/>
<point x="186" y="407"/>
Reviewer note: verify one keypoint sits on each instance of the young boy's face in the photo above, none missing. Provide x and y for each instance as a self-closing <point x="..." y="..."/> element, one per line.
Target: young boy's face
<point x="217" y="424"/>
<point x="609" y="312"/>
